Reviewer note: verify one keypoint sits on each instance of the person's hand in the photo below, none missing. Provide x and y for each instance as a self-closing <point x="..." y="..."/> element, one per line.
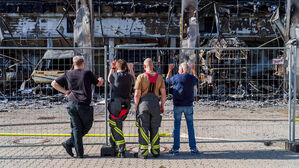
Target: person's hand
<point x="162" y="109"/>
<point x="192" y="67"/>
<point x="101" y="80"/>
<point x="171" y="67"/>
<point x="130" y="66"/>
<point x="113" y="64"/>
<point x="68" y="92"/>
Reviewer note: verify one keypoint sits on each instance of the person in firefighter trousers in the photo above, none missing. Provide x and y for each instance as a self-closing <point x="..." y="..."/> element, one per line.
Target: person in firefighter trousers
<point x="121" y="82"/>
<point x="148" y="110"/>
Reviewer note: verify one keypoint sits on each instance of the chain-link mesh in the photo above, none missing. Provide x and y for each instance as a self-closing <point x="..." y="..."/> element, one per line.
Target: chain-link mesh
<point x="242" y="94"/>
<point x="29" y="104"/>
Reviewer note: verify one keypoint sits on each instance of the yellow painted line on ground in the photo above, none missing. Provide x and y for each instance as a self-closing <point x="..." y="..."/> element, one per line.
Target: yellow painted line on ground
<point x="65" y="135"/>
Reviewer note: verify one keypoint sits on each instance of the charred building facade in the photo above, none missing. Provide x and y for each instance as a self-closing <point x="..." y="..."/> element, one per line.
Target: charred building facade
<point x="42" y="23"/>
<point x="163" y="23"/>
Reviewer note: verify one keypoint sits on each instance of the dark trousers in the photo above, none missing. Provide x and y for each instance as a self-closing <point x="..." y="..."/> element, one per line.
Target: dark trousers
<point x="117" y="138"/>
<point x="148" y="123"/>
<point x="81" y="122"/>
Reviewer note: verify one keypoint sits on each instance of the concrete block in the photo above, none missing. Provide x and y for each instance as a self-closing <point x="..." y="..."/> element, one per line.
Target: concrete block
<point x="108" y="151"/>
<point x="294" y="147"/>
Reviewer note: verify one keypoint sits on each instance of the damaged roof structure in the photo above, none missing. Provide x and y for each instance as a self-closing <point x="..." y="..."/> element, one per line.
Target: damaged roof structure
<point x="31" y="23"/>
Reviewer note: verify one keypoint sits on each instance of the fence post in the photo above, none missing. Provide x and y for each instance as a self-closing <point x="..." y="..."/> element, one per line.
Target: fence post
<point x="290" y="94"/>
<point x="294" y="92"/>
<point x="106" y="103"/>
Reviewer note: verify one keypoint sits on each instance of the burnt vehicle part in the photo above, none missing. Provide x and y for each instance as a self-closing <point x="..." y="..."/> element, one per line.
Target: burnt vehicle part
<point x="53" y="64"/>
<point x="13" y="72"/>
<point x="16" y="74"/>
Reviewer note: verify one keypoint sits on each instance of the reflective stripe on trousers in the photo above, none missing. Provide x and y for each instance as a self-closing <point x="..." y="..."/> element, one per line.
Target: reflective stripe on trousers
<point x="148" y="122"/>
<point x="117" y="137"/>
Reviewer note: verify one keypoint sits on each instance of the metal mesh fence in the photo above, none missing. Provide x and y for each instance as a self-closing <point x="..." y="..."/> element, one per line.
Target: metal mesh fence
<point x="242" y="94"/>
<point x="30" y="106"/>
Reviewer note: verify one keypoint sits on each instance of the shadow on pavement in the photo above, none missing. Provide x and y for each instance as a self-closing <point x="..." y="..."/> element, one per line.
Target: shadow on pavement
<point x="241" y="154"/>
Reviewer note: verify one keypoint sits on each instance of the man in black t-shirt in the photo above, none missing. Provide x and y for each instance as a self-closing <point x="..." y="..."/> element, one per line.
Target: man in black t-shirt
<point x="121" y="86"/>
<point x="78" y="82"/>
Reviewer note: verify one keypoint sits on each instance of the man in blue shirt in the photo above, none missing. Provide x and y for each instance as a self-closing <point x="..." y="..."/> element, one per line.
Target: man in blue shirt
<point x="183" y="97"/>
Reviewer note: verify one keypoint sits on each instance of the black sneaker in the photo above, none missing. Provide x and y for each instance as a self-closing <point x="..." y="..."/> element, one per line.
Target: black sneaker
<point x="156" y="156"/>
<point x="174" y="151"/>
<point x="195" y="151"/>
<point x="68" y="149"/>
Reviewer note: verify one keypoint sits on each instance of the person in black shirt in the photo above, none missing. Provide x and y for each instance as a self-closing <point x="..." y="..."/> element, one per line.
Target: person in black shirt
<point x="121" y="86"/>
<point x="78" y="82"/>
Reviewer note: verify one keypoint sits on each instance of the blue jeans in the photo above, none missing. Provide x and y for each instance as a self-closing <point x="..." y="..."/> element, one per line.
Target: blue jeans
<point x="188" y="112"/>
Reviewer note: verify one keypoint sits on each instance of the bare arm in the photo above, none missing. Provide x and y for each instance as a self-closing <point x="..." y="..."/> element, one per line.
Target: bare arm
<point x="194" y="71"/>
<point x="130" y="66"/>
<point x="112" y="70"/>
<point x="163" y="99"/>
<point x="170" y="68"/>
<point x="55" y="85"/>
<point x="137" y="96"/>
<point x="110" y="73"/>
<point x="169" y="74"/>
<point x="101" y="81"/>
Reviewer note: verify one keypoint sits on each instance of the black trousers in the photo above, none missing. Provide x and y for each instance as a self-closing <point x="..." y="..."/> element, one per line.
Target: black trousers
<point x="81" y="121"/>
<point x="117" y="138"/>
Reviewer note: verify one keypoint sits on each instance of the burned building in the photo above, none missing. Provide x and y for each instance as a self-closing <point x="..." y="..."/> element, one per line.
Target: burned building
<point x="32" y="23"/>
<point x="219" y="23"/>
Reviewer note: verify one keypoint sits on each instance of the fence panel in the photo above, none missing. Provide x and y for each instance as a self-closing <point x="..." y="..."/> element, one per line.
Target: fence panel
<point x="241" y="95"/>
<point x="31" y="107"/>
